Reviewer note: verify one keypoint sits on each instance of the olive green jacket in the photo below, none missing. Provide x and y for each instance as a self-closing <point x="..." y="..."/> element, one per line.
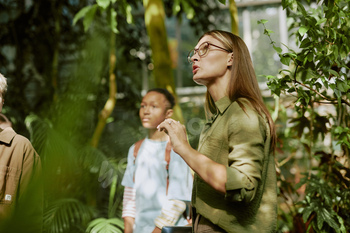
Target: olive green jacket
<point x="240" y="140"/>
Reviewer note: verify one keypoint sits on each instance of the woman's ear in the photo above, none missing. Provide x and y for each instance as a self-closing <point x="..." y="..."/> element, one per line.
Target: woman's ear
<point x="229" y="59"/>
<point x="169" y="113"/>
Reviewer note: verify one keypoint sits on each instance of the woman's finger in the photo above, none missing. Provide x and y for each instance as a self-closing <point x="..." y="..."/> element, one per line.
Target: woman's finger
<point x="165" y="125"/>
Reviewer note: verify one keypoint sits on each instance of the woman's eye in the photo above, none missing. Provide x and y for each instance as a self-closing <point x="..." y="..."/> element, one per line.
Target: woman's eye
<point x="203" y="49"/>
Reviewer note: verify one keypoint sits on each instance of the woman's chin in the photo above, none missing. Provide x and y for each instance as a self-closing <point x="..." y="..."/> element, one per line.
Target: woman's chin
<point x="200" y="81"/>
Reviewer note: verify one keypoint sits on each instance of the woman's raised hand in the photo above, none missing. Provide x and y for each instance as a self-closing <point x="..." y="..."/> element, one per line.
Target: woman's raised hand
<point x="176" y="132"/>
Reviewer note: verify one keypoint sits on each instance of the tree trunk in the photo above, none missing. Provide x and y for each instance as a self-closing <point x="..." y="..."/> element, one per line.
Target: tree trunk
<point x="163" y="74"/>
<point x="234" y="17"/>
<point x="110" y="103"/>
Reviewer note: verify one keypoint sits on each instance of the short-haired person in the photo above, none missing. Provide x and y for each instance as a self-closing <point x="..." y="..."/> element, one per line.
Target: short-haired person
<point x="156" y="188"/>
<point x="21" y="197"/>
<point x="235" y="187"/>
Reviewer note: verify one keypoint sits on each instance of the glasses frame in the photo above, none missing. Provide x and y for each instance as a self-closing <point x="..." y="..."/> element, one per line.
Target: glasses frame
<point x="189" y="56"/>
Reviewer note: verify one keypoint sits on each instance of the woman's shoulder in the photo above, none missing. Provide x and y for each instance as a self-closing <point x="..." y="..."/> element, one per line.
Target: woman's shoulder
<point x="242" y="107"/>
<point x="243" y="113"/>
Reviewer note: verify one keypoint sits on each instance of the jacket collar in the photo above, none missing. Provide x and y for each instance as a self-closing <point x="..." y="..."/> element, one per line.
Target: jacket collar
<point x="223" y="103"/>
<point x="6" y="135"/>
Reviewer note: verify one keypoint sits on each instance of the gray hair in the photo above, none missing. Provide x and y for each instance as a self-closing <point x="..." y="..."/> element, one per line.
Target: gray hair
<point x="3" y="85"/>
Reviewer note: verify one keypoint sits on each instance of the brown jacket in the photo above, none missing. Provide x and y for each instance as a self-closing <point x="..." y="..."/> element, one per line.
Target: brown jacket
<point x="20" y="172"/>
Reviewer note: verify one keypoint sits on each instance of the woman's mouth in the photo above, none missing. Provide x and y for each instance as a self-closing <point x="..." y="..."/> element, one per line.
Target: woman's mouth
<point x="195" y="69"/>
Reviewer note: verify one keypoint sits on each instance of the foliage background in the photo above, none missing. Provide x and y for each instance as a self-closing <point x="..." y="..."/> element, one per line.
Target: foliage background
<point x="58" y="76"/>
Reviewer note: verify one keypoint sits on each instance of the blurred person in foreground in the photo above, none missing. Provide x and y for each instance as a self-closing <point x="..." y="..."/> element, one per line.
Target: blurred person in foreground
<point x="235" y="186"/>
<point x="21" y="194"/>
<point x="156" y="188"/>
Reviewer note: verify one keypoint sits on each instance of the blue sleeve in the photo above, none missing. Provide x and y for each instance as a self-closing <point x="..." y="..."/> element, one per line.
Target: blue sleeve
<point x="128" y="179"/>
<point x="180" y="179"/>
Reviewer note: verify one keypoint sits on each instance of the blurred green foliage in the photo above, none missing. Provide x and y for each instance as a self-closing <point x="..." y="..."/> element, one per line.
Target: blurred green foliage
<point x="313" y="154"/>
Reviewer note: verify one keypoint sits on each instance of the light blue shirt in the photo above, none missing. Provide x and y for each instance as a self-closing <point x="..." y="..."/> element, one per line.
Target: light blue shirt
<point x="150" y="183"/>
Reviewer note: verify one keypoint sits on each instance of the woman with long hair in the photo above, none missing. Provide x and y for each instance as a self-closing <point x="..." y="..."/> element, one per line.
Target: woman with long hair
<point x="235" y="187"/>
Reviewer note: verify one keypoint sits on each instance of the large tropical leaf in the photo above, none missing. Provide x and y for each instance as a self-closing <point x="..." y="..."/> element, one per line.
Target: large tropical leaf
<point x="64" y="214"/>
<point x="103" y="225"/>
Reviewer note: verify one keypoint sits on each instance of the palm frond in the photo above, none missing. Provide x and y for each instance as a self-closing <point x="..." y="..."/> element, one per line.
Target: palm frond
<point x="61" y="215"/>
<point x="102" y="225"/>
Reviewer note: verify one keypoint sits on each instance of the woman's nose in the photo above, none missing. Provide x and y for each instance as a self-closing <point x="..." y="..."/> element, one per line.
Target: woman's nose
<point x="194" y="57"/>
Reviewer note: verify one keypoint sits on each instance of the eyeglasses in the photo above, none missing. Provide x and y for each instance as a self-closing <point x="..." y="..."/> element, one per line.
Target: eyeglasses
<point x="202" y="50"/>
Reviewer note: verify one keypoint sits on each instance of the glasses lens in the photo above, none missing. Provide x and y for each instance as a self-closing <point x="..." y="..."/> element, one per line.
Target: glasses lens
<point x="189" y="56"/>
<point x="203" y="49"/>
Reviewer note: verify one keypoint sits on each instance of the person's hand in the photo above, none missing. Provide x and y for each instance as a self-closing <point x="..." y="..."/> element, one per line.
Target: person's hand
<point x="157" y="230"/>
<point x="176" y="132"/>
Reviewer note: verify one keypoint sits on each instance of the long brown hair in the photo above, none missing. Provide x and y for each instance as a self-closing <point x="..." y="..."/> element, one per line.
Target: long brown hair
<point x="243" y="83"/>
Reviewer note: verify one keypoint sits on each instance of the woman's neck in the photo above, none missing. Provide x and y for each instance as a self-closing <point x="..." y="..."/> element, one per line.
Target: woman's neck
<point x="219" y="87"/>
<point x="156" y="135"/>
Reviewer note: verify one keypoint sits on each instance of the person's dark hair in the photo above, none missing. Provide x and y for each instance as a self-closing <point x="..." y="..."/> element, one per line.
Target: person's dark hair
<point x="166" y="93"/>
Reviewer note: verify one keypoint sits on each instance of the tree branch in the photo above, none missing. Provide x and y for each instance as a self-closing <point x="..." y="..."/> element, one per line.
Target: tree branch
<point x="324" y="97"/>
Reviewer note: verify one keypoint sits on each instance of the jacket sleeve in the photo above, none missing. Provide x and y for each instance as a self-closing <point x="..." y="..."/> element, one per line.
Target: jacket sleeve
<point x="30" y="190"/>
<point x="246" y="154"/>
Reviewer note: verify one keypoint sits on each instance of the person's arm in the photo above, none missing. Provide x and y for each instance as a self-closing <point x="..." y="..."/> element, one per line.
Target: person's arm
<point x="129" y="209"/>
<point x="170" y="214"/>
<point x="246" y="138"/>
<point x="30" y="189"/>
<point x="157" y="230"/>
<point x="129" y="224"/>
<point x="211" y="172"/>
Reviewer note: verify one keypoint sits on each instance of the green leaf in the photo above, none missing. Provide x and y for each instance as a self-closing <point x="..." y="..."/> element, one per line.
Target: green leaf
<point x="102" y="225"/>
<point x="333" y="72"/>
<point x="64" y="213"/>
<point x="341" y="85"/>
<point x="263" y="21"/>
<point x="285" y="60"/>
<point x="306" y="213"/>
<point x="223" y="1"/>
<point x="323" y="215"/>
<point x="89" y="16"/>
<point x="103" y="3"/>
<point x="268" y="32"/>
<point x="305" y="43"/>
<point x="81" y="14"/>
<point x="301" y="8"/>
<point x="321" y="21"/>
<point x="278" y="49"/>
<point x="337" y="93"/>
<point x="302" y="30"/>
<point x="310" y="57"/>
<point x="129" y="17"/>
<point x="342" y="226"/>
